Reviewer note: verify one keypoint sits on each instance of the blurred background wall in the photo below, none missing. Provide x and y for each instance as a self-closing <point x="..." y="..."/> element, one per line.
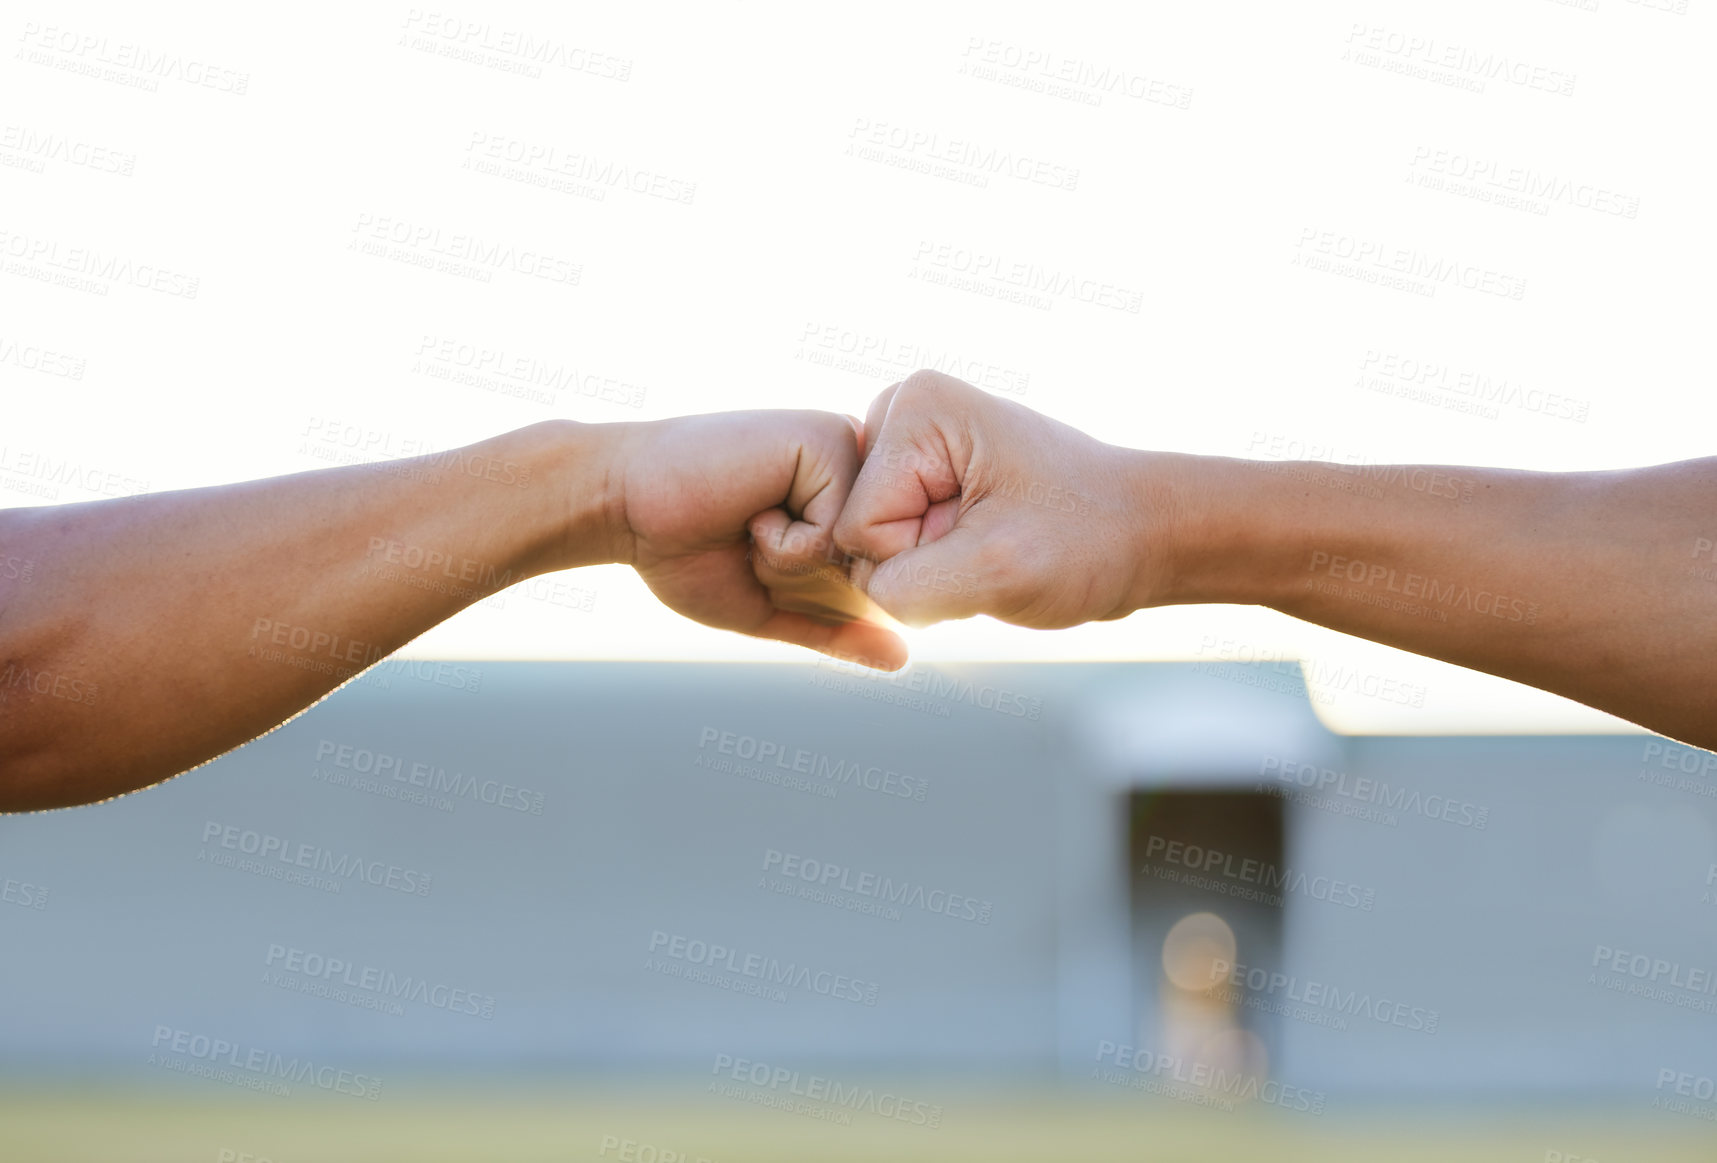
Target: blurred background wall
<point x="968" y="870"/>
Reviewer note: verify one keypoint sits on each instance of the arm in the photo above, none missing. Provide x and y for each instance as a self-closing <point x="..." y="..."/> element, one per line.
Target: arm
<point x="150" y="634"/>
<point x="1598" y="586"/>
<point x="1582" y="583"/>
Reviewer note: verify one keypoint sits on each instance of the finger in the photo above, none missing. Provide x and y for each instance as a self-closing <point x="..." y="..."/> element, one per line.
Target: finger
<point x="793" y="548"/>
<point x="860" y="642"/>
<point x="823" y="469"/>
<point x="858" y="432"/>
<point x="788" y="548"/>
<point x="798" y="537"/>
<point x="729" y="597"/>
<point x="873" y="417"/>
<point x="906" y="475"/>
<point x="784" y="558"/>
<point x="951" y="577"/>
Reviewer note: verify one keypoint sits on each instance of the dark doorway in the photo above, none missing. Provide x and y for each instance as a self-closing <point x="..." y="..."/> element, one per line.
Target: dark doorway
<point x="1202" y="905"/>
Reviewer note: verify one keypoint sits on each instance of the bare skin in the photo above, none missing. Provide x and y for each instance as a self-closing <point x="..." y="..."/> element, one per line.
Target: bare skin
<point x="1601" y="586"/>
<point x="141" y="637"/>
<point x="148" y="635"/>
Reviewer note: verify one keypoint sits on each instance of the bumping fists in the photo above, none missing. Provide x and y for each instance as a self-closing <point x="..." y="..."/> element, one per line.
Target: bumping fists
<point x="969" y="504"/>
<point x="947" y="502"/>
<point x="729" y="518"/>
<point x="814" y="529"/>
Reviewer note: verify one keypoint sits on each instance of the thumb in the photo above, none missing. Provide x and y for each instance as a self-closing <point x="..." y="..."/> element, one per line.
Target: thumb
<point x="932" y="582"/>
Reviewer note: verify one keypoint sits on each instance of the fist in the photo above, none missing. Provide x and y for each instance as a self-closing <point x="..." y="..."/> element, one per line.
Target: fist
<point x="968" y="504"/>
<point x="729" y="518"/>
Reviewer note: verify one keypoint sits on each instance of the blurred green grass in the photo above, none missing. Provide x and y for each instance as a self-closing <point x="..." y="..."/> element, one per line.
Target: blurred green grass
<point x="579" y="1121"/>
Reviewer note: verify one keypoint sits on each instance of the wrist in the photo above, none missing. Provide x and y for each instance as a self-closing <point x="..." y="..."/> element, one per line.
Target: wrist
<point x="1207" y="529"/>
<point x="577" y="509"/>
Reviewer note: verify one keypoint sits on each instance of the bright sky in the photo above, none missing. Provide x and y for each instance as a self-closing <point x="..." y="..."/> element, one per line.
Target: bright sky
<point x="781" y="217"/>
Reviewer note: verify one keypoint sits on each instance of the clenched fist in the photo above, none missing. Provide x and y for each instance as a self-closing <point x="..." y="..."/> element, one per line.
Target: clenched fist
<point x="729" y="520"/>
<point x="968" y="504"/>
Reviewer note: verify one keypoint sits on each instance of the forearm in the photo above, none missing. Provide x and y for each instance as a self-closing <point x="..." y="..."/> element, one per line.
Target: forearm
<point x="156" y="632"/>
<point x="1586" y="584"/>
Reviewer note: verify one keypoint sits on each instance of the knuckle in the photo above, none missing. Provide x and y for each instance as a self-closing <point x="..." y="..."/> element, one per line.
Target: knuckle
<point x="795" y="542"/>
<point x="928" y="382"/>
<point x="1005" y="560"/>
<point x="762" y="560"/>
<point x="849" y="533"/>
<point x="836" y="428"/>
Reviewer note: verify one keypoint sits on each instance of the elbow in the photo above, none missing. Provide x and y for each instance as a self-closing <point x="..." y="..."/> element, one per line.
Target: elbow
<point x="34" y="781"/>
<point x="44" y="778"/>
